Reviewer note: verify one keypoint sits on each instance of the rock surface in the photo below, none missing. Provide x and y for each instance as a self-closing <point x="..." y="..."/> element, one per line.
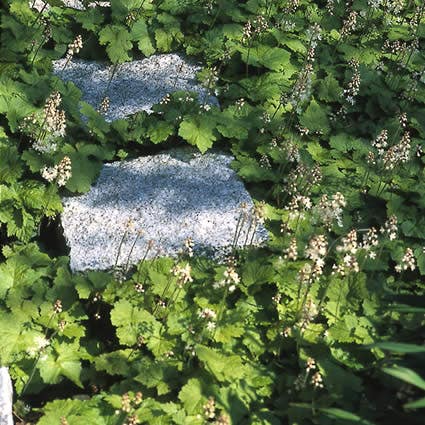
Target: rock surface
<point x="6" y="396"/>
<point x="40" y="5"/>
<point x="135" y="86"/>
<point x="168" y="198"/>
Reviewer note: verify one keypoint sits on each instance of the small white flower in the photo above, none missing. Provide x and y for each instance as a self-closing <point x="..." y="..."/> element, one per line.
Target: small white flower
<point x="317" y="380"/>
<point x="40" y="342"/>
<point x="183" y="274"/>
<point x="207" y="313"/>
<point x="210" y="326"/>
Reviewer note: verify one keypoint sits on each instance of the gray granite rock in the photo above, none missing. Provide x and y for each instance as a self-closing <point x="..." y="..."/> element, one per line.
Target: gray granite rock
<point x="168" y="198"/>
<point x="135" y="86"/>
<point x="40" y="5"/>
<point x="6" y="397"/>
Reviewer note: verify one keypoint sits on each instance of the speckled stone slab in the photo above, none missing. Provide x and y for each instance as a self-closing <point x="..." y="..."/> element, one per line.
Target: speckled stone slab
<point x="135" y="86"/>
<point x="41" y="5"/>
<point x="168" y="198"/>
<point x="6" y="396"/>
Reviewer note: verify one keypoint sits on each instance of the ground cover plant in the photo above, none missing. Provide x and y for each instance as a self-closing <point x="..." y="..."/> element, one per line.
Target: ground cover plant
<point x="322" y="105"/>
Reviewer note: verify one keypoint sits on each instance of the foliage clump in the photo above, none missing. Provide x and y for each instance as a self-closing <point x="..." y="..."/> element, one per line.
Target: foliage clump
<point x="322" y="105"/>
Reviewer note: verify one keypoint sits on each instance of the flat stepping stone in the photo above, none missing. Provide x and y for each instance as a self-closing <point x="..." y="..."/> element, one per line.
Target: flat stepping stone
<point x="164" y="198"/>
<point x="6" y="397"/>
<point x="40" y="5"/>
<point x="135" y="86"/>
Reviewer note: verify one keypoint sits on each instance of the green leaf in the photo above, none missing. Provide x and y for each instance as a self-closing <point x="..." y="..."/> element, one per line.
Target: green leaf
<point x="6" y="281"/>
<point x="399" y="347"/>
<point x="198" y="131"/>
<point x="420" y="258"/>
<point x="343" y="415"/>
<point x="293" y="44"/>
<point x="140" y="34"/>
<point x="65" y="362"/>
<point x="337" y="293"/>
<point x="339" y="380"/>
<point x="257" y="273"/>
<point x="96" y="122"/>
<point x="403" y="308"/>
<point x="164" y="40"/>
<point x="230" y="125"/>
<point x="93" y="281"/>
<point x="51" y="201"/>
<point x="226" y="332"/>
<point x="15" y="272"/>
<point x="86" y="165"/>
<point x="226" y="368"/>
<point x="10" y="337"/>
<point x="315" y="118"/>
<point x="168" y="33"/>
<point x="157" y="374"/>
<point x="14" y="102"/>
<point x="90" y="19"/>
<point x="20" y="223"/>
<point x="263" y="87"/>
<point x="121" y="8"/>
<point x="132" y="322"/>
<point x="343" y="142"/>
<point x="191" y="396"/>
<point x="76" y="412"/>
<point x="318" y="153"/>
<point x="115" y="363"/>
<point x="34" y="160"/>
<point x="329" y="89"/>
<point x="249" y="169"/>
<point x="407" y="375"/>
<point x="10" y="164"/>
<point x="118" y="42"/>
<point x="274" y="58"/>
<point x="417" y="404"/>
<point x="22" y="10"/>
<point x="159" y="131"/>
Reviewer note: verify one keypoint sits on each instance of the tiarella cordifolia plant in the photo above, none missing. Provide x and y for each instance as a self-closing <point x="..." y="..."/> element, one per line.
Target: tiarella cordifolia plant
<point x="46" y="128"/>
<point x="73" y="48"/>
<point x="60" y="173"/>
<point x="321" y="103"/>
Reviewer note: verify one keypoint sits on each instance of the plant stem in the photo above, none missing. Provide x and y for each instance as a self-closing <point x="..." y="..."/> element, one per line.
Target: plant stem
<point x="119" y="248"/>
<point x="36" y="52"/>
<point x="221" y="310"/>
<point x="131" y="251"/>
<point x="215" y="16"/>
<point x="39" y="13"/>
<point x="339" y="299"/>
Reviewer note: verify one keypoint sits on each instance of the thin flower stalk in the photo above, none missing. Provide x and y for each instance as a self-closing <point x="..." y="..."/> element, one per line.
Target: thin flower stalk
<point x="138" y="235"/>
<point x="73" y="48"/>
<point x="252" y="30"/>
<point x="128" y="227"/>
